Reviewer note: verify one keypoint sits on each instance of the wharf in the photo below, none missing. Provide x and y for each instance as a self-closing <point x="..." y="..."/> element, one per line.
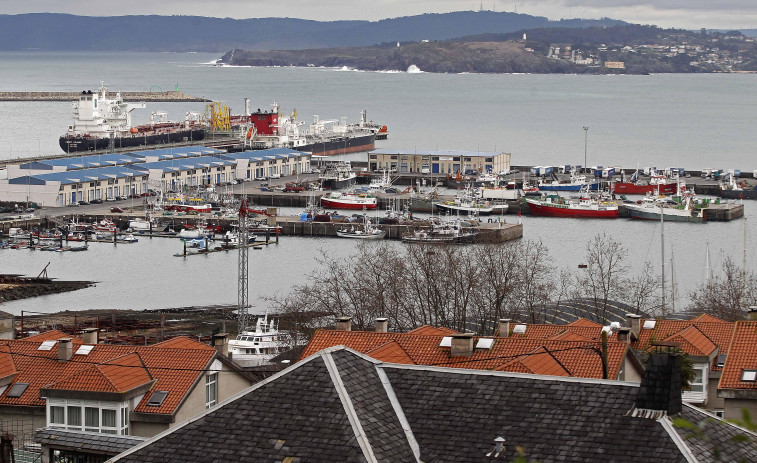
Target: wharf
<point x="169" y="97"/>
<point x="494" y="232"/>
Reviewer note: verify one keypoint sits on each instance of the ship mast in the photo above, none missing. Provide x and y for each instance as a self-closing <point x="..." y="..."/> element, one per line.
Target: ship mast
<point x="244" y="251"/>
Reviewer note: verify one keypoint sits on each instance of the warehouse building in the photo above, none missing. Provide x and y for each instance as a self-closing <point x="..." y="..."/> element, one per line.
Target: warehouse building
<point x="438" y="162"/>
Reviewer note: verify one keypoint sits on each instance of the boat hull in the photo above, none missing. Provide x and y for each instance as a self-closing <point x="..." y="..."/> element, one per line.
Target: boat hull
<point x="651" y="214"/>
<point x="80" y="144"/>
<point x="362" y="236"/>
<point x="626" y="188"/>
<point x="552" y="210"/>
<point x="330" y="146"/>
<point x="738" y="194"/>
<point x="341" y="204"/>
<point x="455" y="209"/>
<point x="568" y="187"/>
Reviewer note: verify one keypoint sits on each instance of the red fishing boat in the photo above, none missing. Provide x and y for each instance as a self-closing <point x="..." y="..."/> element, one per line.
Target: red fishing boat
<point x="339" y="200"/>
<point x="657" y="183"/>
<point x="584" y="207"/>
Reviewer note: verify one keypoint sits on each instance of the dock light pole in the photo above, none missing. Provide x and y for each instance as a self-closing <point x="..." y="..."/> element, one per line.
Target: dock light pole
<point x="586" y="144"/>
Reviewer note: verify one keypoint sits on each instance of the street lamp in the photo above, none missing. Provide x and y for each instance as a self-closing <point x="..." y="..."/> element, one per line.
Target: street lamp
<point x="586" y="142"/>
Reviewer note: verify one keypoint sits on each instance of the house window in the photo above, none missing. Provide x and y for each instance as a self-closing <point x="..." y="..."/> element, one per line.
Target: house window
<point x="91" y="419"/>
<point x="211" y="389"/>
<point x="74" y="417"/>
<point x="57" y="415"/>
<point x="697" y="384"/>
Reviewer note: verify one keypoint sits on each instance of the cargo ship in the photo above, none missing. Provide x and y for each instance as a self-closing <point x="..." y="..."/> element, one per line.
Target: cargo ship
<point x="266" y="129"/>
<point x="104" y="123"/>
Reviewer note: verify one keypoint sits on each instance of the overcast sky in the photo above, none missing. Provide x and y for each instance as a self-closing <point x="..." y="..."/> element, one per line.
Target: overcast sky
<point x="689" y="14"/>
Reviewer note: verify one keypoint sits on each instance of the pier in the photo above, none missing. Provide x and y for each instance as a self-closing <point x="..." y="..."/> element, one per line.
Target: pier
<point x="168" y="97"/>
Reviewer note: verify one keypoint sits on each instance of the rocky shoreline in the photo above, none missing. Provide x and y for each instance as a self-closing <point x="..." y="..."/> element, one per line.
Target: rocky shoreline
<point x="25" y="288"/>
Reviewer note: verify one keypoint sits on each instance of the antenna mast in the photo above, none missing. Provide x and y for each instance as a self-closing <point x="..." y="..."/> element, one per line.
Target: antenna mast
<point x="244" y="252"/>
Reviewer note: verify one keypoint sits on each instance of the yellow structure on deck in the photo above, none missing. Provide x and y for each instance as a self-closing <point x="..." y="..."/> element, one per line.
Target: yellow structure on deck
<point x="219" y="116"/>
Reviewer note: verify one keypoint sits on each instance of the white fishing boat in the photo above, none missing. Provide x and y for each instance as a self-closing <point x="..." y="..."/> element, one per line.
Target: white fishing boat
<point x="443" y="231"/>
<point x="365" y="232"/>
<point x="254" y="348"/>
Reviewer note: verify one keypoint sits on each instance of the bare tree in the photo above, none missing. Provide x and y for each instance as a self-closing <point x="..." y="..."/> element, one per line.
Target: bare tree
<point x="643" y="291"/>
<point x="536" y="281"/>
<point x="727" y="295"/>
<point x="603" y="279"/>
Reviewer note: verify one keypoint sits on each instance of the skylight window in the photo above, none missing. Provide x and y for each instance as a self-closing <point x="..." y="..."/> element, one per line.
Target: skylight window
<point x="649" y="324"/>
<point x="520" y="329"/>
<point x="157" y="398"/>
<point x="17" y="389"/>
<point x="446" y="342"/>
<point x="749" y="375"/>
<point x="721" y="360"/>
<point x="84" y="350"/>
<point x="47" y="345"/>
<point x="485" y="343"/>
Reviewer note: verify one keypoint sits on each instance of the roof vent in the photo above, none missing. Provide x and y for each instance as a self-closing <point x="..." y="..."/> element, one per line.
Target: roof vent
<point x="649" y="324"/>
<point x="749" y="375"/>
<point x="47" y="345"/>
<point x="485" y="343"/>
<point x="157" y="398"/>
<point x="499" y="448"/>
<point x="17" y="390"/>
<point x="520" y="329"/>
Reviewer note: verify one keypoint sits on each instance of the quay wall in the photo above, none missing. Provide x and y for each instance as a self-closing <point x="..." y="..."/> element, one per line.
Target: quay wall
<point x="171" y="96"/>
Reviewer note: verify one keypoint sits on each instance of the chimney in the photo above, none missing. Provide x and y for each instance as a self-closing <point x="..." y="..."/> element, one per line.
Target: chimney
<point x="634" y="322"/>
<point x="462" y="345"/>
<point x="382" y="325"/>
<point x="221" y="343"/>
<point x="624" y="335"/>
<point x="752" y="313"/>
<point x="503" y="328"/>
<point x="660" y="389"/>
<point x="344" y="324"/>
<point x="65" y="349"/>
<point x="89" y="335"/>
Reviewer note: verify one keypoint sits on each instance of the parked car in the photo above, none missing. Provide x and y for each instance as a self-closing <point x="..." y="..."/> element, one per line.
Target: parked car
<point x="116" y="209"/>
<point x="83" y="203"/>
<point x="275" y="175"/>
<point x="293" y="187"/>
<point x="111" y="198"/>
<point x="425" y="170"/>
<point x="123" y="197"/>
<point x="96" y="201"/>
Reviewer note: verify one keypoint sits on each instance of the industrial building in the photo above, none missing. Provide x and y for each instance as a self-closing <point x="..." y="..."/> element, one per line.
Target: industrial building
<point x="438" y="162"/>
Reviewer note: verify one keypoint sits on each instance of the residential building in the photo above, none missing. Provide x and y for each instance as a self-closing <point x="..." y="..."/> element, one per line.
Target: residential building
<point x="340" y="405"/>
<point x="737" y="387"/>
<point x="62" y="383"/>
<point x="438" y="162"/>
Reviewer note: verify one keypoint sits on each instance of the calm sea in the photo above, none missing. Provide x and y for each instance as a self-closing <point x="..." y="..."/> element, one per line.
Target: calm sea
<point x="692" y="121"/>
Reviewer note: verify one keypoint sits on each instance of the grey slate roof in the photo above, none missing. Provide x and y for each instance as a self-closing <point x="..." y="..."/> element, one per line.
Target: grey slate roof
<point x="105" y="444"/>
<point x="339" y="405"/>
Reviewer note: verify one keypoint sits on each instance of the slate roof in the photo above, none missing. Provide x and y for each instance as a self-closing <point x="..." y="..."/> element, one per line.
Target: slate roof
<point x="95" y="443"/>
<point x="575" y="357"/>
<point x="107" y="368"/>
<point x="181" y="164"/>
<point x="80" y="176"/>
<point x="339" y="405"/>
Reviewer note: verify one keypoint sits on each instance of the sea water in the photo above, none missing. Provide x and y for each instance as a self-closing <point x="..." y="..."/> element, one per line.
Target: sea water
<point x="671" y="120"/>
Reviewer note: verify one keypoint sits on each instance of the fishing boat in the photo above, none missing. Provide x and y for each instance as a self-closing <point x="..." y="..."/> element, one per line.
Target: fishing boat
<point x="102" y="122"/>
<point x="349" y="200"/>
<point x="576" y="183"/>
<point x="258" y="347"/>
<point x="443" y="231"/>
<point x="681" y="208"/>
<point x="584" y="207"/>
<point x="366" y="231"/>
<point x="657" y="183"/>
<point x="104" y="225"/>
<point x="733" y="190"/>
<point x="337" y="176"/>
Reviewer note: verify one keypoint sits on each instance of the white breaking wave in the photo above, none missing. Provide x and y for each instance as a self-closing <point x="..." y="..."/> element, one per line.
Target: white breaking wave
<point x="413" y="69"/>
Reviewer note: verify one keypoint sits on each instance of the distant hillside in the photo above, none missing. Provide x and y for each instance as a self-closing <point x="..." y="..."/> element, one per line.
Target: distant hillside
<point x="51" y="31"/>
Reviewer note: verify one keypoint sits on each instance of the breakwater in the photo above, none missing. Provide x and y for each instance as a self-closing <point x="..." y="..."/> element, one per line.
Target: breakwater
<point x="170" y="97"/>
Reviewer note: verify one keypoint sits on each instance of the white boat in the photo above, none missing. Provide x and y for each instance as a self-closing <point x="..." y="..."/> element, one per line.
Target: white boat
<point x="104" y="225"/>
<point x="680" y="209"/>
<point x="365" y="232"/>
<point x="349" y="200"/>
<point x="467" y="203"/>
<point x="254" y="348"/>
<point x="128" y="239"/>
<point x="443" y="231"/>
<point x="381" y="184"/>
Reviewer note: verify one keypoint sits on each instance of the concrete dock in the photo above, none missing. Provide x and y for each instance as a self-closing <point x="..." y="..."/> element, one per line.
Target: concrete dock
<point x="169" y="97"/>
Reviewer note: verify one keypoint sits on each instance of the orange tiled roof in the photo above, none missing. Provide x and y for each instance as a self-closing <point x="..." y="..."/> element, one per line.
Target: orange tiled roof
<point x="540" y="361"/>
<point x="7" y="366"/>
<point x="693" y="341"/>
<point x="427" y="329"/>
<point x="570" y="336"/>
<point x="708" y="318"/>
<point x="182" y="342"/>
<point x="741" y="356"/>
<point x="121" y="374"/>
<point x="106" y="366"/>
<point x="585" y="323"/>
<point x="51" y="335"/>
<point x="580" y="358"/>
<point x="537" y="331"/>
<point x="391" y="352"/>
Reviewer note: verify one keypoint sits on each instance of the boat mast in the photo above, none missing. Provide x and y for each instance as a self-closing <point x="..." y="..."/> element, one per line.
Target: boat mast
<point x="662" y="252"/>
<point x="672" y="283"/>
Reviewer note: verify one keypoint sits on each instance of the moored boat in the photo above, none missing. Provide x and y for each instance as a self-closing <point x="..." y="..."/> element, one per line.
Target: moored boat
<point x="657" y="183"/>
<point x="584" y="207"/>
<point x="258" y="347"/>
<point x="339" y="200"/>
<point x="680" y="209"/>
<point x="443" y="231"/>
<point x="366" y="231"/>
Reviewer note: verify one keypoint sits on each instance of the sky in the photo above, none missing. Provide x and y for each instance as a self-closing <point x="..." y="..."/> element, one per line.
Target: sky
<point x="688" y="14"/>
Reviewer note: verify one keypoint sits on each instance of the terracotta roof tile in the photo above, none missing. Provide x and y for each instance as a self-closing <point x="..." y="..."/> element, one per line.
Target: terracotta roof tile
<point x="569" y="336"/>
<point x="741" y="356"/>
<point x="390" y="352"/>
<point x="585" y="323"/>
<point x="427" y="329"/>
<point x="182" y="342"/>
<point x="539" y="361"/>
<point x="708" y="318"/>
<point x="46" y="336"/>
<point x="7" y="365"/>
<point x="175" y="369"/>
<point x="693" y="341"/>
